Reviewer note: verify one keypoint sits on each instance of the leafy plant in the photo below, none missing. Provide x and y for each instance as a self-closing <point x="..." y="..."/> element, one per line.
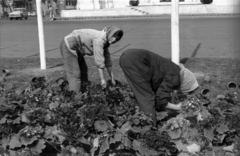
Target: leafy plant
<point x="47" y="116"/>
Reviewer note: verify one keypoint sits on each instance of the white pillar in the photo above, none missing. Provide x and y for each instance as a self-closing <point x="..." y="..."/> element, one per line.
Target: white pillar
<point x="41" y="35"/>
<point x="175" y="31"/>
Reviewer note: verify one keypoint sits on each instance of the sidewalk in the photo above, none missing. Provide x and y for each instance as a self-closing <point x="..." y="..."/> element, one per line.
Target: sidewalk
<point x="191" y="9"/>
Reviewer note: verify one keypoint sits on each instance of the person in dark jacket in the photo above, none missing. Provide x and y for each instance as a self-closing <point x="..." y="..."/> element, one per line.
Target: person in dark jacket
<point x="90" y="42"/>
<point x="153" y="78"/>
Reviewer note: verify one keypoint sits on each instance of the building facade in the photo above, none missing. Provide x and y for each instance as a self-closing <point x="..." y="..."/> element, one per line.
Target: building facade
<point x="108" y="4"/>
<point x="59" y="5"/>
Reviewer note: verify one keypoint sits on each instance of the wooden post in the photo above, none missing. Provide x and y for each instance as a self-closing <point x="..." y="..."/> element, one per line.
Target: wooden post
<point x="41" y="35"/>
<point x="175" y="31"/>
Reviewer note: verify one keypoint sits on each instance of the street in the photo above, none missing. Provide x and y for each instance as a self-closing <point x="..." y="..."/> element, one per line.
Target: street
<point x="204" y="37"/>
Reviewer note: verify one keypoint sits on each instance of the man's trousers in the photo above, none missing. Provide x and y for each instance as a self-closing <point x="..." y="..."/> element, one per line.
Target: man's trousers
<point x="75" y="67"/>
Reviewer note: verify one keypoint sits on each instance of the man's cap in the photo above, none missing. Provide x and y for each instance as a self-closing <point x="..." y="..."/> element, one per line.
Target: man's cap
<point x="188" y="80"/>
<point x="111" y="30"/>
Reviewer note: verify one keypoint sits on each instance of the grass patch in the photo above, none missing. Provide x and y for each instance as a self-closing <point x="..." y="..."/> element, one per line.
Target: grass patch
<point x="220" y="70"/>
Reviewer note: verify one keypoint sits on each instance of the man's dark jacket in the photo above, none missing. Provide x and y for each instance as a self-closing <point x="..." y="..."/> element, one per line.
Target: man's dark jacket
<point x="151" y="77"/>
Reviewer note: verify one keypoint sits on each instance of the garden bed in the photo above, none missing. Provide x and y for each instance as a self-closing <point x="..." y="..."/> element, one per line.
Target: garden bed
<point x="40" y="116"/>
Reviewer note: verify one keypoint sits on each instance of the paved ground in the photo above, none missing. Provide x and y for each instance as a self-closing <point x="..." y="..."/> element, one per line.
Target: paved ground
<point x="199" y="36"/>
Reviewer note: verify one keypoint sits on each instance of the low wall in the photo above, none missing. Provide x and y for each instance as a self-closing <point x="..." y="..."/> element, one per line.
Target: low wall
<point x="95" y="4"/>
<point x="154" y="10"/>
<point x="194" y="9"/>
<point x="98" y="13"/>
<point x="226" y="2"/>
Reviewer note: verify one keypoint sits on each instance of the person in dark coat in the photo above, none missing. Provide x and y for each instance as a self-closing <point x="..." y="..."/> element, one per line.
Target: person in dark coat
<point x="153" y="78"/>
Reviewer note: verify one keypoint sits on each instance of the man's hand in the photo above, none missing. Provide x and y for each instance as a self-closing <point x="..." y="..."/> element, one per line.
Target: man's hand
<point x="103" y="81"/>
<point x="174" y="106"/>
<point x="103" y="84"/>
<point x="179" y="106"/>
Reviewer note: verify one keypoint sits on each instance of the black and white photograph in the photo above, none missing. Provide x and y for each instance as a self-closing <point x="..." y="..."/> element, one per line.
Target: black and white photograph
<point x="119" y="77"/>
